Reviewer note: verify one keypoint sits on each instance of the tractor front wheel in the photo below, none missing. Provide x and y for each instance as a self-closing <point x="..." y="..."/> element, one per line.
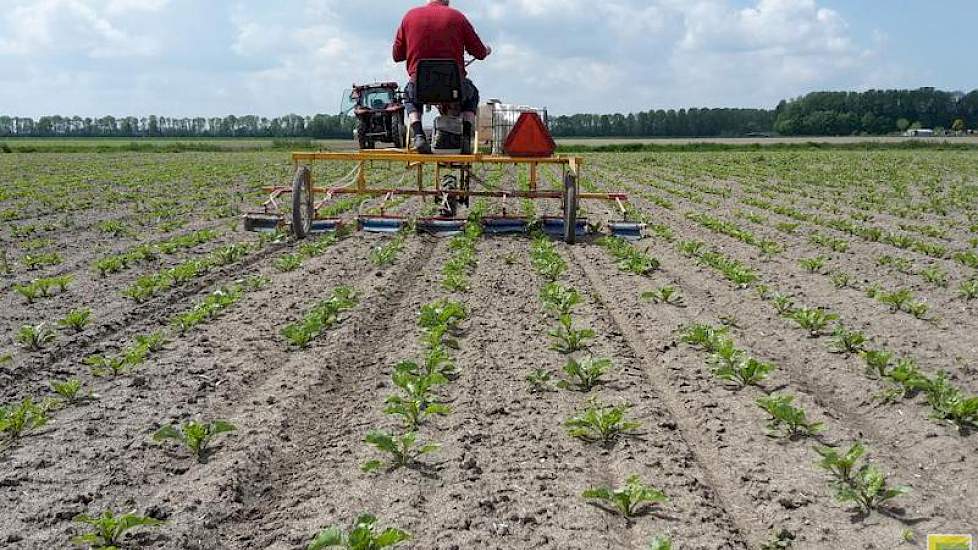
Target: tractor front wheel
<point x="362" y="140"/>
<point x="302" y="202"/>
<point x="449" y="202"/>
<point x="398" y="133"/>
<point x="570" y="209"/>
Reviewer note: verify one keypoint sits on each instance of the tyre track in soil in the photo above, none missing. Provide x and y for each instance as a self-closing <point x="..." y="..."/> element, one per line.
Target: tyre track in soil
<point x="685" y="427"/>
<point x="154" y="312"/>
<point x="99" y="455"/>
<point x="526" y="478"/>
<point x="272" y="490"/>
<point x="509" y="477"/>
<point x="784" y="487"/>
<point x="902" y="435"/>
<point x="484" y="485"/>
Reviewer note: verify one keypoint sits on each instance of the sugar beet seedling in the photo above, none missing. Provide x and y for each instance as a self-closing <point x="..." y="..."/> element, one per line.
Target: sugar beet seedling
<point x="601" y="423"/>
<point x="363" y="536"/>
<point x="109" y="529"/>
<point x="195" y="436"/>
<point x="630" y="500"/>
<point x="402" y="450"/>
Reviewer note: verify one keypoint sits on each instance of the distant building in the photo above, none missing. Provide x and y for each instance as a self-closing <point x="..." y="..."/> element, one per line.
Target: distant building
<point x="920" y="132"/>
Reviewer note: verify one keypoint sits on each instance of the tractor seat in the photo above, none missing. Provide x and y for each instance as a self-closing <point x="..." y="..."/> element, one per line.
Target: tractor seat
<point x="378" y="104"/>
<point x="438" y="81"/>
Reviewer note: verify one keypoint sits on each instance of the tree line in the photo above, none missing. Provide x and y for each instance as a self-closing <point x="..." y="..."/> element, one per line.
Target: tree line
<point x="875" y="112"/>
<point x="250" y="126"/>
<point x="662" y="123"/>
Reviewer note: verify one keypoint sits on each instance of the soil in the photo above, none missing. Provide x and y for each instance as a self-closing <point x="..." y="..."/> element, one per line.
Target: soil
<point x="507" y="475"/>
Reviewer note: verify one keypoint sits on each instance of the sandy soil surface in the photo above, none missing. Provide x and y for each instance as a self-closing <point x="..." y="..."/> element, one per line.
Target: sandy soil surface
<point x="507" y="475"/>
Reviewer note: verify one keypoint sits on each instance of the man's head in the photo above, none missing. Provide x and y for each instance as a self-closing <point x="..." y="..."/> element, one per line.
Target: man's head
<point x="442" y="2"/>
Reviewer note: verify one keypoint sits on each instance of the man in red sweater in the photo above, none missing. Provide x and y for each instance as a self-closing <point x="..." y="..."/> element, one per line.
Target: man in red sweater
<point x="437" y="31"/>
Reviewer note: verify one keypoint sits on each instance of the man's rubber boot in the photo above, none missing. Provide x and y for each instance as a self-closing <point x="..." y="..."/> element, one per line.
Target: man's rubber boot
<point x="421" y="144"/>
<point x="466" y="138"/>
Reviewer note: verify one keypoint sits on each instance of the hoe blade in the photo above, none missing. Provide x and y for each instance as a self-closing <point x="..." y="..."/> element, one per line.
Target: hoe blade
<point x="555" y="227"/>
<point x="441" y="227"/>
<point x="502" y="225"/>
<point x="262" y="223"/>
<point x="381" y="224"/>
<point x="330" y="225"/>
<point x="627" y="230"/>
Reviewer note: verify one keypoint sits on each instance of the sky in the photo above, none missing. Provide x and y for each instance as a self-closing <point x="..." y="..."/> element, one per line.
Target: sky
<point x="270" y="58"/>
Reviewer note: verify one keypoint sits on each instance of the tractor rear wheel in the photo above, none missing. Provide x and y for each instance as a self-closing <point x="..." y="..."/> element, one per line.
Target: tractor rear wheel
<point x="302" y="202"/>
<point x="570" y="209"/>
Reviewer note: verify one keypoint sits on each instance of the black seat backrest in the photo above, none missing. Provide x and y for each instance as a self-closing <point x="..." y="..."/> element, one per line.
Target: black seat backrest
<point x="438" y="81"/>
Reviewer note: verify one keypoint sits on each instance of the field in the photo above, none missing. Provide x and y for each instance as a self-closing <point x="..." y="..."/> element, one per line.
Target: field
<point x="786" y="306"/>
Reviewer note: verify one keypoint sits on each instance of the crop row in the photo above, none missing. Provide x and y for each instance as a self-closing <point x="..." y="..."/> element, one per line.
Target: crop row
<point x="418" y="383"/>
<point x="861" y="484"/>
<point x="147" y="286"/>
<point x="21" y="419"/>
<point x="151" y="251"/>
<point x="596" y="422"/>
<point x="947" y="402"/>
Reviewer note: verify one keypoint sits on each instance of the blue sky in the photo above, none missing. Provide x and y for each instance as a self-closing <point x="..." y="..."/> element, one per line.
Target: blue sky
<point x="215" y="57"/>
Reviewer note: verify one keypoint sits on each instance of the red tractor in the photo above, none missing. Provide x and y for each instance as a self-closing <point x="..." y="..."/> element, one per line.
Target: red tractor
<point x="380" y="114"/>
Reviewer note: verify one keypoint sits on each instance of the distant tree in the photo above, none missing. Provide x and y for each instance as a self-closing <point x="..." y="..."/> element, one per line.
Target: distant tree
<point x="959" y="125"/>
<point x="916" y="126"/>
<point x="903" y="124"/>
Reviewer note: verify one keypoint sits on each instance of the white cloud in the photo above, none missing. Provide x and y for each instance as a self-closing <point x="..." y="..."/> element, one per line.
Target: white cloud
<point x="269" y="58"/>
<point x="72" y="27"/>
<point x="115" y="7"/>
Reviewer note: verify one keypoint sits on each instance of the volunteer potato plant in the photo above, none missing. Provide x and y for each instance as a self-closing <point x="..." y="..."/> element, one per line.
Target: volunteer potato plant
<point x="418" y="401"/>
<point x="950" y="404"/>
<point x="848" y="341"/>
<point x="628" y="258"/>
<point x="813" y="320"/>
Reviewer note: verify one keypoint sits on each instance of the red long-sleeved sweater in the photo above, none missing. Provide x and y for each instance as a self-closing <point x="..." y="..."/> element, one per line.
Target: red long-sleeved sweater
<point x="436" y="31"/>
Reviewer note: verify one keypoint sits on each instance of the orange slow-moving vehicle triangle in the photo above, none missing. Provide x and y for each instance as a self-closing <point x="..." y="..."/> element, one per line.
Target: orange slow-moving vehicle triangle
<point x="529" y="138"/>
